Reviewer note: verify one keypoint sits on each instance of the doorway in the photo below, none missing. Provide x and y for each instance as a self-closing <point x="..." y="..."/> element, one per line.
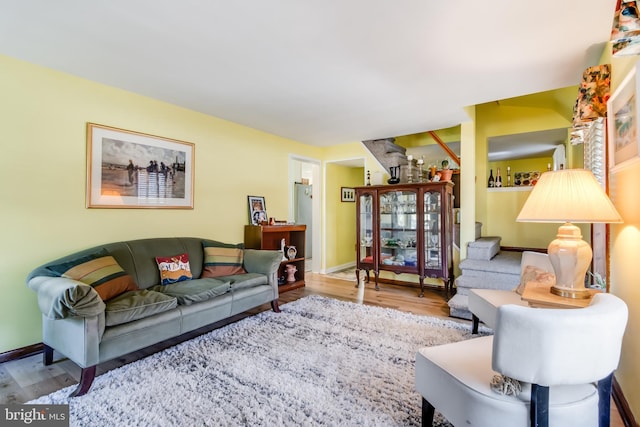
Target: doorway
<point x="303" y="213"/>
<point x="305" y="206"/>
<point x="339" y="215"/>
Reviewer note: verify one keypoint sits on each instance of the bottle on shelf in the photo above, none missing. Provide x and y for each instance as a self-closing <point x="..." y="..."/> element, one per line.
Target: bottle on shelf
<point x="491" y="183"/>
<point x="508" y="176"/>
<point x="410" y="168"/>
<point x="498" y="180"/>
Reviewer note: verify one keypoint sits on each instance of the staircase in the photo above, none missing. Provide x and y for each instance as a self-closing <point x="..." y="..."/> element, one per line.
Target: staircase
<point x="485" y="267"/>
<point x="388" y="153"/>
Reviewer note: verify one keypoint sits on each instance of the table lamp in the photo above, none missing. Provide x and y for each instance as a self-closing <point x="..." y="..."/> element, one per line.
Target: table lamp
<point x="566" y="196"/>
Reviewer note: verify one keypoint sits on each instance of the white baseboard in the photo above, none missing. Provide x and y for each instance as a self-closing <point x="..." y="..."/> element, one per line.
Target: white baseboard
<point x="340" y="267"/>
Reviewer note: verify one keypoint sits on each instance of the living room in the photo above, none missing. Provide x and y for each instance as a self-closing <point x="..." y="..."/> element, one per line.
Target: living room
<point x="45" y="111"/>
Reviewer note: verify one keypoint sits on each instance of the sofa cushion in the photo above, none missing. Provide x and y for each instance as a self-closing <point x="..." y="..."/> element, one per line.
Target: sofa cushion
<point x="195" y="290"/>
<point x="100" y="271"/>
<point x="247" y="280"/>
<point x="136" y="305"/>
<point x="220" y="261"/>
<point x="174" y="269"/>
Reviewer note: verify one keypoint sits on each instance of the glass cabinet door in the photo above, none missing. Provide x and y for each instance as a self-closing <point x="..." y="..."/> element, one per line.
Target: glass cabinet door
<point x="398" y="229"/>
<point x="365" y="233"/>
<point x="432" y="228"/>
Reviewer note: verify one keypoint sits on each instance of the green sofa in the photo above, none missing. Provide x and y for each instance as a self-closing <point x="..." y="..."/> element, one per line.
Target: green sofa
<point x="80" y="324"/>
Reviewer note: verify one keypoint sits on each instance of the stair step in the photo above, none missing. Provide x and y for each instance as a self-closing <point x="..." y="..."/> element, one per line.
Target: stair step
<point x="459" y="307"/>
<point x="500" y="272"/>
<point x="456" y="233"/>
<point x="387" y="152"/>
<point x="485" y="242"/>
<point x="503" y="262"/>
<point x="463" y="283"/>
<point x="392" y="147"/>
<point x="484" y="248"/>
<point x="397" y="158"/>
<point x="490" y="275"/>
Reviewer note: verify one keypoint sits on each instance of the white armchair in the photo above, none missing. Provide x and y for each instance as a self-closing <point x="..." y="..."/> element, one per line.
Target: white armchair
<point x="484" y="303"/>
<point x="557" y="355"/>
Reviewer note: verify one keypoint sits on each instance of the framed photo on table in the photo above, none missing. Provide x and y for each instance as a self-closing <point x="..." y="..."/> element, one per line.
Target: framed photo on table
<point x="623" y="121"/>
<point x="257" y="210"/>
<point x="127" y="169"/>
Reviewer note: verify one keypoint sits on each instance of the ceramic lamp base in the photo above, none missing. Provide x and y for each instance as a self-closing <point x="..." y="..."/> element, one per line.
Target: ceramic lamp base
<point x="570" y="257"/>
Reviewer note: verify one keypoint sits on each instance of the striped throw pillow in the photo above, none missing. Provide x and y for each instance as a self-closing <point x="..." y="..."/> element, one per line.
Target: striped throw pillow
<point x="222" y="261"/>
<point x="100" y="271"/>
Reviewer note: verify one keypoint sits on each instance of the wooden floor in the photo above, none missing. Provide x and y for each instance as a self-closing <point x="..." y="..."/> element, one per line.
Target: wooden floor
<point x="26" y="379"/>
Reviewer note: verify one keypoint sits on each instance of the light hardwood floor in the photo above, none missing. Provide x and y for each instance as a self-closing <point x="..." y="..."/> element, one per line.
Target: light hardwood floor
<point x="26" y="379"/>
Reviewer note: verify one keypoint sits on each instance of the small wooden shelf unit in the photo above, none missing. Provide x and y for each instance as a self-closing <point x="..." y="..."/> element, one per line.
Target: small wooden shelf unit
<point x="269" y="237"/>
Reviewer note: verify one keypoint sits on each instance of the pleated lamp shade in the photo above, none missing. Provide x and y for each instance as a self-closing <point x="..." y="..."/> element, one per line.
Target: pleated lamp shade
<point x="568" y="195"/>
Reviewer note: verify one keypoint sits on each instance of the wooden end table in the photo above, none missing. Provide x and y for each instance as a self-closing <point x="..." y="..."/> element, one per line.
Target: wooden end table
<point x="540" y="296"/>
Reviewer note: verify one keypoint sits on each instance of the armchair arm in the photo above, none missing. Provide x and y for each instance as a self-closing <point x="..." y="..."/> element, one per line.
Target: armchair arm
<point x="59" y="297"/>
<point x="263" y="261"/>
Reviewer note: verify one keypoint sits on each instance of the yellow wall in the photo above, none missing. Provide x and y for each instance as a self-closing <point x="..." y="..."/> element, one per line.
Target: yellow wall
<point x="625" y="250"/>
<point x="43" y="214"/>
<point x="340" y="216"/>
<point x="504" y="205"/>
<point x="497" y="211"/>
<point x="344" y="242"/>
<point x="356" y="150"/>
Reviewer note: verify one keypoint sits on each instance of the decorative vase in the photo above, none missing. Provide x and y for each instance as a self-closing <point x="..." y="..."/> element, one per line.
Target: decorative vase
<point x="291" y="272"/>
<point x="395" y="175"/>
<point x="291" y="252"/>
<point x="445" y="174"/>
<point x="432" y="171"/>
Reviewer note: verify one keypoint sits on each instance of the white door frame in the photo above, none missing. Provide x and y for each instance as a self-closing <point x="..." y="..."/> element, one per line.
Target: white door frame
<point x="316" y="205"/>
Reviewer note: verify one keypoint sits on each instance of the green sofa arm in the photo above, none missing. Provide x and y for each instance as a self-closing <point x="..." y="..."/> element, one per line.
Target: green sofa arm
<point x="262" y="261"/>
<point x="59" y="297"/>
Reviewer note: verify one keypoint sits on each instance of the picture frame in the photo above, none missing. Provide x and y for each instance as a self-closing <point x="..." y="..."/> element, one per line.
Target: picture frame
<point x="128" y="169"/>
<point x="257" y="210"/>
<point x="347" y="194"/>
<point x="623" y="122"/>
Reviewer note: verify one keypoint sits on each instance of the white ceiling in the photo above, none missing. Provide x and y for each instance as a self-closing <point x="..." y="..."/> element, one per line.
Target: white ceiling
<point x="319" y="72"/>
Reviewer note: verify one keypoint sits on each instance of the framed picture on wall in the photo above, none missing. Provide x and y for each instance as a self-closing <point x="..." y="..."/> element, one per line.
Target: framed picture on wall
<point x="623" y="121"/>
<point x="257" y="210"/>
<point x="127" y="169"/>
<point x="347" y="194"/>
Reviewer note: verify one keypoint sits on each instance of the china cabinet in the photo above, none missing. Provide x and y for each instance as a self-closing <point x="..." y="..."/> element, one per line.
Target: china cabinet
<point x="406" y="228"/>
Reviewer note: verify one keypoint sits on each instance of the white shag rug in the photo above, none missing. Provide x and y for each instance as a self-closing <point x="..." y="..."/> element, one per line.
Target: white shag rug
<point x="320" y="361"/>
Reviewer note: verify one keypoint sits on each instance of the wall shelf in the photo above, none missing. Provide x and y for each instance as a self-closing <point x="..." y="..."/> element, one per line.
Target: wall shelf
<point x="510" y="189"/>
<point x="270" y="237"/>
